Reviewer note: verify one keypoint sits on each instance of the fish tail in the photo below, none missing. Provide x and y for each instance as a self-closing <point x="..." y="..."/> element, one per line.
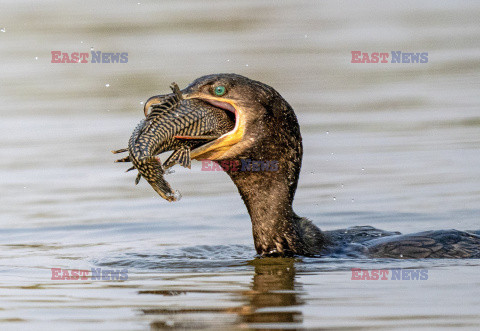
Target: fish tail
<point x="153" y="172"/>
<point x="161" y="186"/>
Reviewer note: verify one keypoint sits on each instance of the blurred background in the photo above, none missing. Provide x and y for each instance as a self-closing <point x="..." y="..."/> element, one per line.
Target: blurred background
<point x="395" y="146"/>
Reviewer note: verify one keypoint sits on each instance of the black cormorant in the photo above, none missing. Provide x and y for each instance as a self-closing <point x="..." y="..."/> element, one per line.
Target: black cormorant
<point x="267" y="129"/>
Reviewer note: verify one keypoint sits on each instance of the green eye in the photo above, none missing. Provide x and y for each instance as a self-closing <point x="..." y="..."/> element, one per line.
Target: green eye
<point x="220" y="90"/>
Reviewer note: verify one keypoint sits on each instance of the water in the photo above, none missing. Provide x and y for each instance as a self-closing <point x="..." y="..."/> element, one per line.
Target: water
<point x="395" y="146"/>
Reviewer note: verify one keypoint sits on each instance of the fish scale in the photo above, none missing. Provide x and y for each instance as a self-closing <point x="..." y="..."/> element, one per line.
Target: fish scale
<point x="156" y="134"/>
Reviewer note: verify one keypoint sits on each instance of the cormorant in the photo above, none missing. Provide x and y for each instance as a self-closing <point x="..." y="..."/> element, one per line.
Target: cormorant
<point x="266" y="129"/>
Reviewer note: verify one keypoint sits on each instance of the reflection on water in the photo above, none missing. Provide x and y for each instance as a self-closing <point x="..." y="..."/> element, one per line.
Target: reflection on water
<point x="273" y="287"/>
<point x="392" y="146"/>
<point x="269" y="303"/>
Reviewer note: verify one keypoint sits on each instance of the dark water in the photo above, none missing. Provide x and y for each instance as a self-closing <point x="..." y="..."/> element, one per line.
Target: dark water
<point x="395" y="146"/>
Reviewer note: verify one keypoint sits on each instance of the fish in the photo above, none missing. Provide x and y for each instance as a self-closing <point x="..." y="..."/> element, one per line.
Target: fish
<point x="172" y="124"/>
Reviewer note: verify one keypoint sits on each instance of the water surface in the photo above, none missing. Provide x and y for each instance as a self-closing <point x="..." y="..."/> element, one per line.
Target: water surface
<point x="395" y="146"/>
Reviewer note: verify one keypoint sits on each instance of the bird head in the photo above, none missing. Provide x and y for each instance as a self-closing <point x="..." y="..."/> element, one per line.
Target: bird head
<point x="250" y="104"/>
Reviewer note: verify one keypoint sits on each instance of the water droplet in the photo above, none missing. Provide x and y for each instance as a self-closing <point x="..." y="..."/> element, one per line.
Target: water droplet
<point x="107" y="85"/>
<point x="138" y="3"/>
<point x="24" y="187"/>
<point x="141" y="102"/>
<point x="342" y="185"/>
<point x="353" y="200"/>
<point x="312" y="172"/>
<point x="306" y="36"/>
<point x="177" y="195"/>
<point x="81" y="42"/>
<point x="363" y="169"/>
<point x="246" y="65"/>
<point x="36" y="57"/>
<point x="401" y="255"/>
<point x="334" y="198"/>
<point x="331" y="153"/>
<point x="169" y="171"/>
<point x="91" y="48"/>
<point x="228" y="60"/>
<point x="327" y="132"/>
<point x="3" y="29"/>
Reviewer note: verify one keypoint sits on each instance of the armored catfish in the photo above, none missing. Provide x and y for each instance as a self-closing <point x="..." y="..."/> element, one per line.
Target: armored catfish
<point x="174" y="124"/>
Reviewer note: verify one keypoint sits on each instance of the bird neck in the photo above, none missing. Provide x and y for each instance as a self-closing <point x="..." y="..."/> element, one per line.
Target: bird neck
<point x="267" y="197"/>
<point x="268" y="186"/>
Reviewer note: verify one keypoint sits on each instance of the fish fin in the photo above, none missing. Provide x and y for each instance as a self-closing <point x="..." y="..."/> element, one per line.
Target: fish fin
<point x="137" y="180"/>
<point x="161" y="186"/>
<point x="181" y="156"/>
<point x="125" y="159"/>
<point x="130" y="169"/>
<point x="123" y="150"/>
<point x="210" y="137"/>
<point x="176" y="91"/>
